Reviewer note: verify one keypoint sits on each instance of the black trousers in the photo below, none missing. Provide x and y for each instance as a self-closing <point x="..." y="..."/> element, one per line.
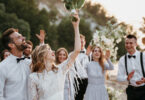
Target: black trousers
<point x="82" y="88"/>
<point x="135" y="93"/>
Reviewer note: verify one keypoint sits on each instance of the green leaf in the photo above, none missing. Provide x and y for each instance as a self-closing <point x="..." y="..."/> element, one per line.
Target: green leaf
<point x="80" y="3"/>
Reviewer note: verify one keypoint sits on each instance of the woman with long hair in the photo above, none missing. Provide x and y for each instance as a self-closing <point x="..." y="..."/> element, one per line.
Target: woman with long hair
<point x="61" y="55"/>
<point x="96" y="72"/>
<point x="69" y="89"/>
<point x="46" y="81"/>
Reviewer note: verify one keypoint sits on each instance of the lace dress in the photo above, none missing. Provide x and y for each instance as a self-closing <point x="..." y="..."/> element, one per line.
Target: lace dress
<point x="48" y="85"/>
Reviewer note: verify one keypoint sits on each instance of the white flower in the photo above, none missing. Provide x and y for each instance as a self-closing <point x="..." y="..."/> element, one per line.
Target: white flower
<point x="107" y="37"/>
<point x="118" y="40"/>
<point x="73" y="11"/>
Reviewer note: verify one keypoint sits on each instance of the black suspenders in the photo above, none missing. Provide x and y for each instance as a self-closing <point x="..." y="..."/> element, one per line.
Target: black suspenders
<point x="141" y="61"/>
<point x="126" y="64"/>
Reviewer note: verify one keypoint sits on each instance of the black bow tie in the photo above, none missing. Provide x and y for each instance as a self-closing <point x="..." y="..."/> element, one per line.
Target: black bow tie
<point x="131" y="56"/>
<point x="19" y="59"/>
<point x="82" y="51"/>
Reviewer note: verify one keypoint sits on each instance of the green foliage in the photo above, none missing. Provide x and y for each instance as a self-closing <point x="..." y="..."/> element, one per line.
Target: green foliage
<point x="66" y="33"/>
<point x="73" y="4"/>
<point x="2" y="7"/>
<point x="9" y="20"/>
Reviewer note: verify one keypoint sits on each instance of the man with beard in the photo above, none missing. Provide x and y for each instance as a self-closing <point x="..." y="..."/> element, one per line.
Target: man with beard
<point x="14" y="70"/>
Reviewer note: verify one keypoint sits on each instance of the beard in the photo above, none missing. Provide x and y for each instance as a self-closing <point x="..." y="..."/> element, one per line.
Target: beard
<point x="21" y="47"/>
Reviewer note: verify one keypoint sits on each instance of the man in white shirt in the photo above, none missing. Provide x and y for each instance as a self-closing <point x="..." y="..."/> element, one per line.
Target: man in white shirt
<point x="131" y="69"/>
<point x="82" y="59"/>
<point x="14" y="70"/>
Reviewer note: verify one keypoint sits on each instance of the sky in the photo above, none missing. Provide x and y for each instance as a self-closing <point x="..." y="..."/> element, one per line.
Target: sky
<point x="129" y="11"/>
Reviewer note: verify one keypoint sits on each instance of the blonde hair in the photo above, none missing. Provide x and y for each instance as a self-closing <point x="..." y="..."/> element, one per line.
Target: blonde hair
<point x="101" y="59"/>
<point x="38" y="58"/>
<point x="57" y="54"/>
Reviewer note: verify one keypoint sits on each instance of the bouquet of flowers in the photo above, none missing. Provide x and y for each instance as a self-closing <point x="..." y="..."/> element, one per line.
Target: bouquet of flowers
<point x="113" y="94"/>
<point x="73" y="6"/>
<point x="107" y="38"/>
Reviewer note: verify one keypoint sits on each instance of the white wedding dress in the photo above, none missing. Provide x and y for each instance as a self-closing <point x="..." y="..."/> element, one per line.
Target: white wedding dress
<point x="48" y="85"/>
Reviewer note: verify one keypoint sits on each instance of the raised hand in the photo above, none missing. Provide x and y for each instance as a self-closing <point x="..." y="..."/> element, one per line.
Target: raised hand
<point x="41" y="36"/>
<point x="107" y="54"/>
<point x="141" y="81"/>
<point x="130" y="75"/>
<point x="76" y="23"/>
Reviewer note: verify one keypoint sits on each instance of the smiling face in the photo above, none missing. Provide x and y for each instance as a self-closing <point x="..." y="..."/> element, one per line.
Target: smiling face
<point x="62" y="56"/>
<point x="130" y="45"/>
<point x="96" y="53"/>
<point x="18" y="41"/>
<point x="28" y="50"/>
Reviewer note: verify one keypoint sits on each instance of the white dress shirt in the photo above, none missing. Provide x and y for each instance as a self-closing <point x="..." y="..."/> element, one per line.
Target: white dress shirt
<point x="13" y="78"/>
<point x="132" y="64"/>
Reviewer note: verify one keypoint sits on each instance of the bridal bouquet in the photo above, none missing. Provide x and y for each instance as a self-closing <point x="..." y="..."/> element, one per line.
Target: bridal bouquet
<point x="73" y="6"/>
<point x="113" y="94"/>
<point x="107" y="38"/>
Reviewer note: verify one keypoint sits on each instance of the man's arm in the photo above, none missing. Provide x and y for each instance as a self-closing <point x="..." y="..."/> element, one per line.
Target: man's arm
<point x="2" y="82"/>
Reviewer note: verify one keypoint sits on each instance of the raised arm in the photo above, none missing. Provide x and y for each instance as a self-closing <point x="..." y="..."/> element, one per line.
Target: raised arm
<point x="108" y="65"/>
<point x="77" y="44"/>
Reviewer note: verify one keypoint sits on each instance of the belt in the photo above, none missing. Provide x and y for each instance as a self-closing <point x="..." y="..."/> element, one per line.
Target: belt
<point x="136" y="88"/>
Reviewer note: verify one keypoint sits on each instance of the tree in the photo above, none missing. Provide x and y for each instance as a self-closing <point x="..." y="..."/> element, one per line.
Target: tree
<point x="8" y="20"/>
<point x="66" y="33"/>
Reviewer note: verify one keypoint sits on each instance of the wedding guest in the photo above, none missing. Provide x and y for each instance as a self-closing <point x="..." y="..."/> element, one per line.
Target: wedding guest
<point x="61" y="55"/>
<point x="27" y="52"/>
<point x="47" y="81"/>
<point x="81" y="61"/>
<point x="5" y="54"/>
<point x="14" y="70"/>
<point x="96" y="75"/>
<point x="131" y="69"/>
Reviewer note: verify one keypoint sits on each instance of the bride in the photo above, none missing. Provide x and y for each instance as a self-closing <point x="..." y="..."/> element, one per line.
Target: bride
<point x="46" y="82"/>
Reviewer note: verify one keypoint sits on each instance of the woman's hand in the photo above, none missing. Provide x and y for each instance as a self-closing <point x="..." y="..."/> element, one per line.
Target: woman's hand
<point x="76" y="24"/>
<point x="107" y="54"/>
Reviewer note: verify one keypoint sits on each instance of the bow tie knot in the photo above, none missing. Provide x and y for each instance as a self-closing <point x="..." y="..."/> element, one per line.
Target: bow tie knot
<point x="19" y="59"/>
<point x="131" y="56"/>
<point x="82" y="51"/>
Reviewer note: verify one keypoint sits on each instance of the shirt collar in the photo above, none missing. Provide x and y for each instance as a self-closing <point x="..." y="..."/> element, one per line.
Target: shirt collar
<point x="84" y="50"/>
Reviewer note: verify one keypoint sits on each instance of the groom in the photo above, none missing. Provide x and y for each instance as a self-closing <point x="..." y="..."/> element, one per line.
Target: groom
<point x="14" y="70"/>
